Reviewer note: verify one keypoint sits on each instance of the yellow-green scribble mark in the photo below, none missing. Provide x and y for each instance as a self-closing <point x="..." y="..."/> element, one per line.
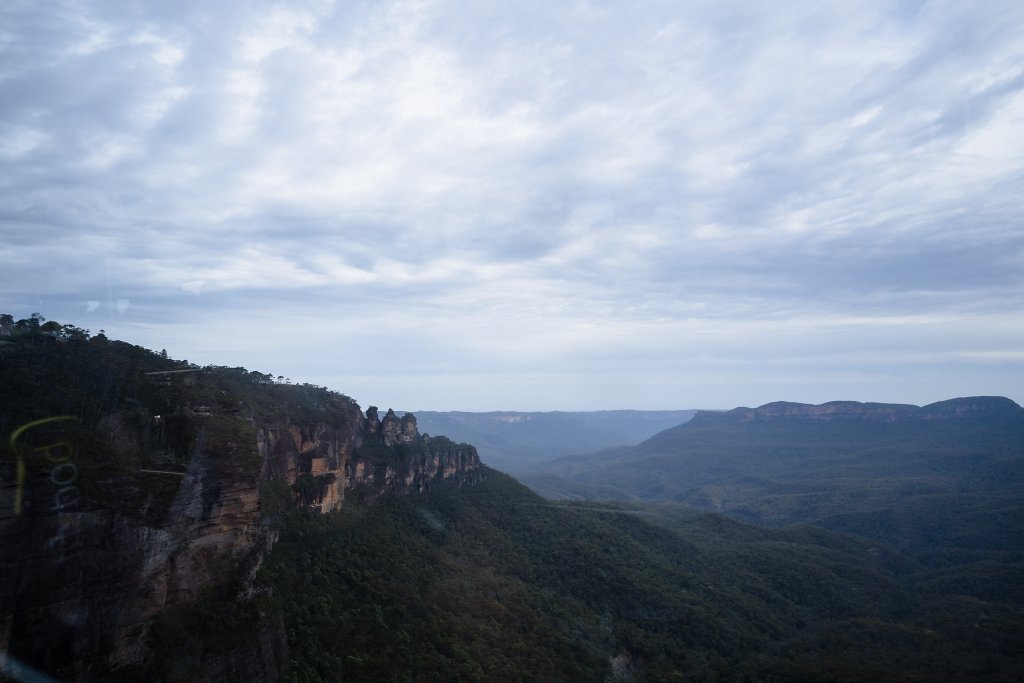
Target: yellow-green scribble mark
<point x="20" y="484"/>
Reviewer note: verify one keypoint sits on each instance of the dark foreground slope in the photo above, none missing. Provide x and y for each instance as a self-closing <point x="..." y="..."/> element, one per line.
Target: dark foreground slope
<point x="493" y="583"/>
<point x="790" y="462"/>
<point x="943" y="484"/>
<point x="139" y="495"/>
<point x="165" y="522"/>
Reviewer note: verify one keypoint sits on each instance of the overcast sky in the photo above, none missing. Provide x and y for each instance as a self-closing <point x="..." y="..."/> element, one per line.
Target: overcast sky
<point x="532" y="205"/>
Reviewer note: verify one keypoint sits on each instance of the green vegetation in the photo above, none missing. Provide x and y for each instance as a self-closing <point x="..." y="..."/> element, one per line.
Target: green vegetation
<point x="181" y="637"/>
<point x="135" y="418"/>
<point x="912" y="569"/>
<point x="491" y="582"/>
<point x="943" y="490"/>
<point x="376" y="452"/>
<point x="93" y="377"/>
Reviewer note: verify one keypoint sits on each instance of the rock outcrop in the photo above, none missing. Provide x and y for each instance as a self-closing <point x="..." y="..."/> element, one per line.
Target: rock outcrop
<point x="81" y="580"/>
<point x="436" y="459"/>
<point x="397" y="430"/>
<point x="81" y="584"/>
<point x="379" y="456"/>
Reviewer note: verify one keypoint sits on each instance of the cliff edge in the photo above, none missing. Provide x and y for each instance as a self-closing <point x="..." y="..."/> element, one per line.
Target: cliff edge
<point x="132" y="484"/>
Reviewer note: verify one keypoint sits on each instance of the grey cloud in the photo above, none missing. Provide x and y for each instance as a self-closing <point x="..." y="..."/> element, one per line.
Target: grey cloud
<point x="422" y="167"/>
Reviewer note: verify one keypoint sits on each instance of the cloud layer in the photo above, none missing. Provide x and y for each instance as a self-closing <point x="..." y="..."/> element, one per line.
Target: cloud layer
<point x="580" y="205"/>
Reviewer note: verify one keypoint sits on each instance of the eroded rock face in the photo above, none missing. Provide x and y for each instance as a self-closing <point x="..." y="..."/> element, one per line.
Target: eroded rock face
<point x="325" y="461"/>
<point x="373" y="423"/>
<point x="88" y="580"/>
<point x="318" y="451"/>
<point x="80" y="583"/>
<point x="399" y="430"/>
<point x="431" y="463"/>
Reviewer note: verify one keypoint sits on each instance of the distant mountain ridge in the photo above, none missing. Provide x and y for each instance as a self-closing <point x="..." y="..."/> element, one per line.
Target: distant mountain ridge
<point x="167" y="522"/>
<point x="967" y="407"/>
<point x="512" y="441"/>
<point x="790" y="462"/>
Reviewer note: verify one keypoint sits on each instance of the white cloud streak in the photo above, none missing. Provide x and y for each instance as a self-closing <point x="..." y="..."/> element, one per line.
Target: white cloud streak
<point x="612" y="194"/>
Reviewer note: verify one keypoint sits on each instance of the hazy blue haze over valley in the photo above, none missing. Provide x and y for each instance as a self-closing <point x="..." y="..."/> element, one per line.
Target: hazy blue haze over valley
<point x="512" y="441"/>
<point x="166" y="521"/>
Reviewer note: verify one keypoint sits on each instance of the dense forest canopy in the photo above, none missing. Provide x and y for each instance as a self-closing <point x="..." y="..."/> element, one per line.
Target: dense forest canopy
<point x="487" y="581"/>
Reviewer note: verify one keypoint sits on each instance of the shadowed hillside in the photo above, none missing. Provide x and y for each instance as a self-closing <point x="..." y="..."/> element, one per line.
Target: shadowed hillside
<point x="942" y="483"/>
<point x="137" y="489"/>
<point x="493" y="583"/>
<point x="168" y="522"/>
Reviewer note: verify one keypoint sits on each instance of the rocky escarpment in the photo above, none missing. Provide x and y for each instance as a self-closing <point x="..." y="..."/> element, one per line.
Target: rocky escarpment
<point x="435" y="459"/>
<point x="90" y="560"/>
<point x="322" y="462"/>
<point x="958" y="408"/>
<point x="139" y="495"/>
<point x="93" y="552"/>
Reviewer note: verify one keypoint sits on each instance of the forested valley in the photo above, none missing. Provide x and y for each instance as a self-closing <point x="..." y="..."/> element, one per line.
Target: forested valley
<point x="218" y="559"/>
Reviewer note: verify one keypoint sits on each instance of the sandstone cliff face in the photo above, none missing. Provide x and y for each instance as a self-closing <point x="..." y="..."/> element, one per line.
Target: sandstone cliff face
<point x="397" y="430"/>
<point x="378" y="456"/>
<point x="429" y="464"/>
<point x="80" y="582"/>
